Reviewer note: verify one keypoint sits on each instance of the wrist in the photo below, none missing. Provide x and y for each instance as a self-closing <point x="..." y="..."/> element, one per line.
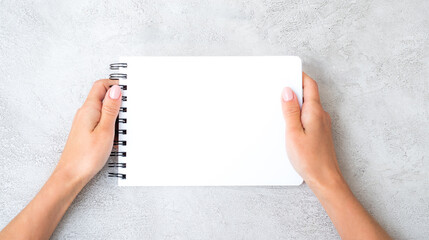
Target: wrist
<point x="326" y="183"/>
<point x="333" y="192"/>
<point x="70" y="177"/>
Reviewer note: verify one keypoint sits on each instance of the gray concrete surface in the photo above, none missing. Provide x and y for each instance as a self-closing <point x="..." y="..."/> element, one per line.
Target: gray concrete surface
<point x="369" y="57"/>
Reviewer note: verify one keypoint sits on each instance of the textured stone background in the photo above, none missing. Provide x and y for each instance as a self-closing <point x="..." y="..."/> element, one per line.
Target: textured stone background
<point x="369" y="57"/>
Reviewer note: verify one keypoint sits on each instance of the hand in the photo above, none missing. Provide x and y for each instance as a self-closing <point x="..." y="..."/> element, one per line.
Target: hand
<point x="87" y="149"/>
<point x="91" y="137"/>
<point x="309" y="141"/>
<point x="311" y="151"/>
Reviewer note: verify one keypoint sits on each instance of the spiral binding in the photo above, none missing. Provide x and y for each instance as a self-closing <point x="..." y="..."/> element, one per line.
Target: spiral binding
<point x="123" y="143"/>
<point x="121" y="165"/>
<point x="116" y="66"/>
<point x="120" y="120"/>
<point x="118" y="175"/>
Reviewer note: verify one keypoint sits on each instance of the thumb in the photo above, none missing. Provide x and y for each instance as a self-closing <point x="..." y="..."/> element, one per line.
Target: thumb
<point x="291" y="110"/>
<point x="110" y="108"/>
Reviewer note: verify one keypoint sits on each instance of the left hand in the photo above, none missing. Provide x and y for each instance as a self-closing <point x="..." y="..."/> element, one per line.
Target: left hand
<point x="91" y="137"/>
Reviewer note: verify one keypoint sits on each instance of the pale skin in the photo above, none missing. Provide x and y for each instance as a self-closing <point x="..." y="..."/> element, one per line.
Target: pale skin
<point x="309" y="146"/>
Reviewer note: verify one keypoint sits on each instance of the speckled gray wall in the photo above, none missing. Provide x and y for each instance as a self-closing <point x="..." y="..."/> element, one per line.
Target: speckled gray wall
<point x="370" y="59"/>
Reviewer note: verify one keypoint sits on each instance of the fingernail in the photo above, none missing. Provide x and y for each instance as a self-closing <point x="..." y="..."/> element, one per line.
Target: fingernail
<point x="115" y="92"/>
<point x="287" y="94"/>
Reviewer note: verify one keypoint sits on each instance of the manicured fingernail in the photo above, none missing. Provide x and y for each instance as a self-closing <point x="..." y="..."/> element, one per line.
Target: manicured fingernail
<point x="287" y="94"/>
<point x="115" y="92"/>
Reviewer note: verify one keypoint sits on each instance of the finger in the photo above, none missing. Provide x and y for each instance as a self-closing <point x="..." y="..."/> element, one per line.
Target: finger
<point x="99" y="89"/>
<point x="110" y="109"/>
<point x="291" y="111"/>
<point x="310" y="89"/>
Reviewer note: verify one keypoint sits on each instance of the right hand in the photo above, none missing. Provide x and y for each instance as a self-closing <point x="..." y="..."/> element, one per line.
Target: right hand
<point x="309" y="141"/>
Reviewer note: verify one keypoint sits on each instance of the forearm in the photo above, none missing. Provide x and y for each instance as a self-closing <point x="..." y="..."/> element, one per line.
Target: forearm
<point x="87" y="150"/>
<point x="39" y="219"/>
<point x="351" y="220"/>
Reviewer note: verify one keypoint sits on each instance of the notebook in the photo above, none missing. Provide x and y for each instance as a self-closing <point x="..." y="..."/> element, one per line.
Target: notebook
<point x="204" y="121"/>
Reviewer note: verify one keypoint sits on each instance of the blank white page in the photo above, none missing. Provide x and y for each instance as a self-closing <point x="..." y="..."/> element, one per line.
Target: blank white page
<point x="207" y="121"/>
